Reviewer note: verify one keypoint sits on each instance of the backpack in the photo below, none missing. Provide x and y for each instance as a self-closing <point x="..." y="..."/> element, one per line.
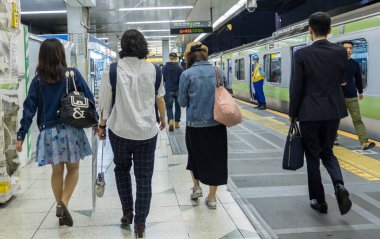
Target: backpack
<point x="113" y="80"/>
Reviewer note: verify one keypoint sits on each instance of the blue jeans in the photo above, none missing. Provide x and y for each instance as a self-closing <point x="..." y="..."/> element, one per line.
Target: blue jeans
<point x="259" y="91"/>
<point x="169" y="98"/>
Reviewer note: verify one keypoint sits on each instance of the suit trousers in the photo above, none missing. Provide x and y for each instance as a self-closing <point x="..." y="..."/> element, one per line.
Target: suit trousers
<point x="141" y="153"/>
<point x="318" y="138"/>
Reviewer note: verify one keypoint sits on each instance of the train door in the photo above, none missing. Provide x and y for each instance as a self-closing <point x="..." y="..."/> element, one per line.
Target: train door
<point x="229" y="73"/>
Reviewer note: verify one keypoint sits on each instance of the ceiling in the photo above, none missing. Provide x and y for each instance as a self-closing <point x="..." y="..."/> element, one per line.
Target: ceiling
<point x="107" y="21"/>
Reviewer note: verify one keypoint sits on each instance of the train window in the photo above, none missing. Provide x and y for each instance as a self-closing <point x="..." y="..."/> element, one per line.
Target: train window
<point x="360" y="55"/>
<point x="272" y="67"/>
<point x="240" y="69"/>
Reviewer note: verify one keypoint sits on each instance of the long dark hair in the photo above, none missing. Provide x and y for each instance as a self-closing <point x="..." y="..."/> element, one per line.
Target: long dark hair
<point x="51" y="60"/>
<point x="133" y="44"/>
<point x="196" y="56"/>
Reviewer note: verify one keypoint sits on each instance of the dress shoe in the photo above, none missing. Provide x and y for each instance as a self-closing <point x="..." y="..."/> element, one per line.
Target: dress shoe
<point x="343" y="199"/>
<point x="320" y="207"/>
<point x="367" y="145"/>
<point x="263" y="106"/>
<point x="139" y="230"/>
<point x="127" y="218"/>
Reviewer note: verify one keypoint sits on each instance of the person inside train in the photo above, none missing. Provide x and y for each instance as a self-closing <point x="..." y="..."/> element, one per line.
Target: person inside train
<point x="258" y="77"/>
<point x="171" y="73"/>
<point x="58" y="144"/>
<point x="353" y="92"/>
<point x="317" y="102"/>
<point x="132" y="124"/>
<point x="206" y="139"/>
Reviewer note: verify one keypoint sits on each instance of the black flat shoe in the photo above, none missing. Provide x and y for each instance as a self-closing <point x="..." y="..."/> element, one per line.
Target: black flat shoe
<point x="342" y="196"/>
<point x="59" y="210"/>
<point x="320" y="207"/>
<point x="66" y="218"/>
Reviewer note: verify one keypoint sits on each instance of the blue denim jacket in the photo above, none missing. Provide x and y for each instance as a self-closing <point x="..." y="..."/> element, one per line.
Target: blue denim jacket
<point x="45" y="99"/>
<point x="197" y="93"/>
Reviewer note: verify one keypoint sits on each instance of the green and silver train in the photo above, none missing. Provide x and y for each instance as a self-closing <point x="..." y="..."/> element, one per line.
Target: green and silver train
<point x="361" y="26"/>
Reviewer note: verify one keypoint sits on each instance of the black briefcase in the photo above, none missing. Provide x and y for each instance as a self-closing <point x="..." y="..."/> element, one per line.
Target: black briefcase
<point x="294" y="152"/>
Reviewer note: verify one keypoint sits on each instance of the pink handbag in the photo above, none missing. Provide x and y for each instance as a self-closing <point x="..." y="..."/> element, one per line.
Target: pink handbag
<point x="226" y="110"/>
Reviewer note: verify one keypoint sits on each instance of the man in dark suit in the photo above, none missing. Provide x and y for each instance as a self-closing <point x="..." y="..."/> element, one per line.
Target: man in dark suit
<point x="317" y="102"/>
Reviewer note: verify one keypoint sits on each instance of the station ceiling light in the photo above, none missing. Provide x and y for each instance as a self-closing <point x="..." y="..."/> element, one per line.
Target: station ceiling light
<point x="224" y="17"/>
<point x="154" y="22"/>
<point x="44" y="12"/>
<point x="155" y="8"/>
<point x="229" y="13"/>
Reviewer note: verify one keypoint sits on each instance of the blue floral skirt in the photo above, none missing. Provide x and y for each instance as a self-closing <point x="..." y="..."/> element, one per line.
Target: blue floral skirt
<point x="62" y="144"/>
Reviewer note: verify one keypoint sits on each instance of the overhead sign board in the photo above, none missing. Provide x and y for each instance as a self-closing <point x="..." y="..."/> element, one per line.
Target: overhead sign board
<point x="191" y="27"/>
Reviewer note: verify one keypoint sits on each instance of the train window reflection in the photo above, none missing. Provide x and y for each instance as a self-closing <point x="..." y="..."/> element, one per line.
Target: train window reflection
<point x="360" y="54"/>
<point x="240" y="69"/>
<point x="272" y="67"/>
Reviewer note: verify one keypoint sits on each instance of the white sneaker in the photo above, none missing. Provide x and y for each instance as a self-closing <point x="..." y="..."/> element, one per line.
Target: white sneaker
<point x="210" y="203"/>
<point x="197" y="193"/>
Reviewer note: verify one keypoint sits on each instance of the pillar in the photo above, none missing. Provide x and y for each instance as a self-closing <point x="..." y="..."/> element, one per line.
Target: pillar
<point x="165" y="51"/>
<point x="77" y="34"/>
<point x="113" y="41"/>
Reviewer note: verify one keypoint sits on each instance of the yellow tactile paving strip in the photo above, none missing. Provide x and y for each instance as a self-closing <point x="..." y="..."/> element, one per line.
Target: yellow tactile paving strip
<point x="361" y="165"/>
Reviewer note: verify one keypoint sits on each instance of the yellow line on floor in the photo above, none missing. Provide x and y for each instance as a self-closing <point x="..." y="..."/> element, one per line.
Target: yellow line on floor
<point x="361" y="165"/>
<point x="344" y="133"/>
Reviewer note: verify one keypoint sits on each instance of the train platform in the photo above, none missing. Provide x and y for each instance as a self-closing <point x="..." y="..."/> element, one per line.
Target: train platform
<point x="261" y="199"/>
<point x="276" y="201"/>
<point x="31" y="213"/>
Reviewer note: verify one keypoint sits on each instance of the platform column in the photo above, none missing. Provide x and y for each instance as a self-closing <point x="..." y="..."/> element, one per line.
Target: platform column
<point x="77" y="33"/>
<point x="165" y="51"/>
<point x="113" y="41"/>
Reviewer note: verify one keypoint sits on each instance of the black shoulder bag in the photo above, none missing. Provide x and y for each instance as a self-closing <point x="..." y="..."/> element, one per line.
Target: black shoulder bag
<point x="76" y="109"/>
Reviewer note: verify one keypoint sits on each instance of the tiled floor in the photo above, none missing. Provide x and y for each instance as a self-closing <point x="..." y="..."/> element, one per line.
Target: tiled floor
<point x="173" y="215"/>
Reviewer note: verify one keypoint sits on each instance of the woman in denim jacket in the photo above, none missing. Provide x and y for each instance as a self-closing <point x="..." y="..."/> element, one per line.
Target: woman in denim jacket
<point x="206" y="139"/>
<point x="57" y="144"/>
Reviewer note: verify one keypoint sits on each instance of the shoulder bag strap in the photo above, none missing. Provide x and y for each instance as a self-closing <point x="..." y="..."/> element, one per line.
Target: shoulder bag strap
<point x="158" y="79"/>
<point x="67" y="75"/>
<point x="70" y="74"/>
<point x="219" y="81"/>
<point x="113" y="80"/>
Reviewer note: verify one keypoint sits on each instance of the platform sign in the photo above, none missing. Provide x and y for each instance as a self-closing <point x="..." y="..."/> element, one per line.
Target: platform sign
<point x="191" y="27"/>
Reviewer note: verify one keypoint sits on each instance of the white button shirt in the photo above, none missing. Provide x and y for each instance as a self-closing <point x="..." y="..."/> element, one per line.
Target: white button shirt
<point x="133" y="115"/>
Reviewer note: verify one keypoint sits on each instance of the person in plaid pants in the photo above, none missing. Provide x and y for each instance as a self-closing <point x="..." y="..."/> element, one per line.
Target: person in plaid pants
<point x="142" y="154"/>
<point x="132" y="124"/>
